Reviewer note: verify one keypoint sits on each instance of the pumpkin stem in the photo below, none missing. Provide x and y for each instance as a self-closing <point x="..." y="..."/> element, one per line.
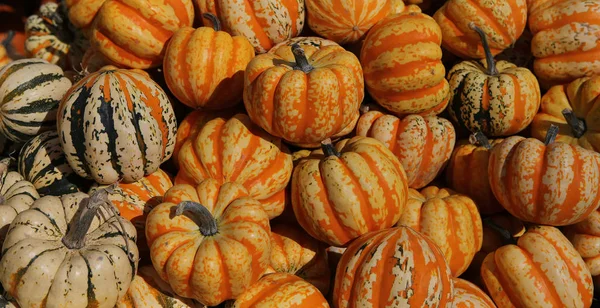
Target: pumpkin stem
<point x="200" y="215"/>
<point x="364" y="109"/>
<point x="329" y="149"/>
<point x="301" y="60"/>
<point x="479" y="138"/>
<point x="216" y="24"/>
<point x="551" y="134"/>
<point x="503" y="232"/>
<point x="10" y="51"/>
<point x="489" y="58"/>
<point x="578" y="126"/>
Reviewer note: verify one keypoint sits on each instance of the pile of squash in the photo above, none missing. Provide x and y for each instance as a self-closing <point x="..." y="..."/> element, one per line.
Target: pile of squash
<point x="302" y="153"/>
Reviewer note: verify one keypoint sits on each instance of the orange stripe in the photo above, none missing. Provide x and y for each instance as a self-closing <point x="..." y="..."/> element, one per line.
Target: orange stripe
<point x="156" y="28"/>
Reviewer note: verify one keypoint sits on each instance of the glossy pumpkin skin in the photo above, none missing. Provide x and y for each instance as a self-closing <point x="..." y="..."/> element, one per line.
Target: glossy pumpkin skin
<point x="565" y="39"/>
<point x="555" y="185"/>
<point x="498" y="105"/>
<point x="38" y="270"/>
<point x="210" y="269"/>
<point x="502" y="20"/>
<point x="204" y="68"/>
<point x="585" y="237"/>
<point x="422" y="144"/>
<point x="468" y="295"/>
<point x="235" y="150"/>
<point x="133" y="126"/>
<point x="581" y="97"/>
<point x="16" y="196"/>
<point x="395" y="267"/>
<point x="304" y="108"/>
<point x="134" y="33"/>
<point x="337" y="199"/>
<point x="401" y="57"/>
<point x="450" y="220"/>
<point x="81" y="13"/>
<point x="542" y="270"/>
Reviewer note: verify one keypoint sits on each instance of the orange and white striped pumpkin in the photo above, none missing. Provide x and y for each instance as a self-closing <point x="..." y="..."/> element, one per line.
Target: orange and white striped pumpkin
<point x="468" y="295"/>
<point x="81" y="13"/>
<point x="401" y="58"/>
<point x="314" y="41"/>
<point x="397" y="267"/>
<point x="585" y="237"/>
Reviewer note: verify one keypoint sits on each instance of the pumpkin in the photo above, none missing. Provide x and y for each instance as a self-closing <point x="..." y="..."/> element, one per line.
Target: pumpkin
<point x="550" y="183"/>
<point x="347" y="21"/>
<point x="499" y="99"/>
<point x="31" y="92"/>
<point x="81" y="13"/>
<point x="235" y="150"/>
<point x="307" y="98"/>
<point x="422" y="144"/>
<point x="564" y="40"/>
<point x="541" y="270"/>
<point x="204" y="67"/>
<point x="467" y="295"/>
<point x="134" y="33"/>
<point x="401" y="58"/>
<point x="281" y="290"/>
<point x="209" y="242"/>
<point x="503" y="20"/>
<point x="92" y="61"/>
<point x="314" y="41"/>
<point x="116" y="124"/>
<point x="467" y="172"/>
<point x="450" y="220"/>
<point x="39" y="267"/>
<point x="264" y="25"/>
<point x="395" y="267"/>
<point x="585" y="237"/>
<point x="573" y="108"/>
<point x="520" y="53"/>
<point x="16" y="196"/>
<point x="341" y="192"/>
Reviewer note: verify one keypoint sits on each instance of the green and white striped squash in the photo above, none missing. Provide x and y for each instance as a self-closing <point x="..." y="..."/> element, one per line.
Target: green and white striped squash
<point x="16" y="196"/>
<point x="30" y="92"/>
<point x="116" y="125"/>
<point x="43" y="163"/>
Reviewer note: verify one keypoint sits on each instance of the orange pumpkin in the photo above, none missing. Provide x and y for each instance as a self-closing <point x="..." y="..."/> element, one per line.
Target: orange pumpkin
<point x="134" y="33"/>
<point x="342" y="192"/>
<point x="541" y="270"/>
<point x="307" y="98"/>
<point x="396" y="267"/>
<point x="235" y="150"/>
<point x="551" y="183"/>
<point x="303" y="41"/>
<point x="422" y="144"/>
<point x="209" y="242"/>
<point x="585" y="237"/>
<point x="468" y="295"/>
<point x="450" y="220"/>
<point x="82" y="12"/>
<point x="401" y="58"/>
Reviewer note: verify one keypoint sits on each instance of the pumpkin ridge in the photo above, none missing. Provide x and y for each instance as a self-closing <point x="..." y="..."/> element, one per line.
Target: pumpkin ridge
<point x="225" y="284"/>
<point x="492" y="22"/>
<point x="567" y="57"/>
<point x="92" y="301"/>
<point x="32" y="83"/>
<point x="79" y="148"/>
<point x="504" y="282"/>
<point x="122" y="51"/>
<point x="105" y="108"/>
<point x="22" y="271"/>
<point x="147" y="23"/>
<point x="386" y="283"/>
<point x="363" y="195"/>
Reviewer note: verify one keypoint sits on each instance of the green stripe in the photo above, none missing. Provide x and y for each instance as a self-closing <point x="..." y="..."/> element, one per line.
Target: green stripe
<point x="36" y="81"/>
<point x="17" y="65"/>
<point x="39" y="106"/>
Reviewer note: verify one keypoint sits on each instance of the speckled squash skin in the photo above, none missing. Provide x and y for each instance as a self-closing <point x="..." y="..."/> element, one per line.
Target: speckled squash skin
<point x="133" y="33"/>
<point x="585" y="237"/>
<point x="204" y="68"/>
<point x="235" y="150"/>
<point x="281" y="290"/>
<point x="557" y="184"/>
<point x="16" y="196"/>
<point x="81" y="13"/>
<point x="300" y="107"/>
<point x="314" y="41"/>
<point x="565" y="40"/>
<point x="337" y="199"/>
<point x="450" y="220"/>
<point x="503" y="20"/>
<point x="542" y="270"/>
<point x="210" y="269"/>
<point x="468" y="295"/>
<point x="422" y="144"/>
<point x="581" y="97"/>
<point x="395" y="267"/>
<point x="133" y="129"/>
<point x="401" y="58"/>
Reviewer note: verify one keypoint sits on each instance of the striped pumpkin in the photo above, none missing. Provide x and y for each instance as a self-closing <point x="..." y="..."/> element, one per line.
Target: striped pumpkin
<point x="450" y="220"/>
<point x="264" y="25"/>
<point x="305" y="95"/>
<point x="281" y="290"/>
<point x="40" y="269"/>
<point x="585" y="237"/>
<point x="204" y="67"/>
<point x="133" y="126"/>
<point x="43" y="163"/>
<point x="347" y="21"/>
<point x="16" y="196"/>
<point x="314" y="41"/>
<point x="81" y="13"/>
<point x="395" y="267"/>
<point x="342" y="192"/>
<point x="468" y="295"/>
<point x="31" y="92"/>
<point x="134" y="33"/>
<point x="503" y="20"/>
<point x="541" y="270"/>
<point x="414" y="84"/>
<point x="235" y="150"/>
<point x="422" y="144"/>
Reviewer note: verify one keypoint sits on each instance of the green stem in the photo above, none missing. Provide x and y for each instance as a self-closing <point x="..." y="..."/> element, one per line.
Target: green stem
<point x="578" y="126"/>
<point x="214" y="20"/>
<point x="200" y="215"/>
<point x="489" y="58"/>
<point x="301" y="60"/>
<point x="329" y="149"/>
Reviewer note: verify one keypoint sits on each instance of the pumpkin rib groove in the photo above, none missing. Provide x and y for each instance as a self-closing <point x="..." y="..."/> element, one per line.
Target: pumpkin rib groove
<point x="385" y="284"/>
<point x="30" y="84"/>
<point x="519" y="104"/>
<point x="122" y="50"/>
<point x="52" y="221"/>
<point x="566" y="57"/>
<point x="380" y="180"/>
<point x="541" y="274"/>
<point x="144" y="22"/>
<point x="363" y="195"/>
<point x="492" y="22"/>
<point x="91" y="295"/>
<point x="22" y="271"/>
<point x="225" y="283"/>
<point x="505" y="283"/>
